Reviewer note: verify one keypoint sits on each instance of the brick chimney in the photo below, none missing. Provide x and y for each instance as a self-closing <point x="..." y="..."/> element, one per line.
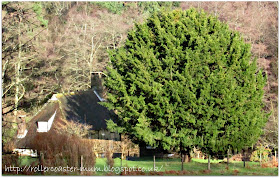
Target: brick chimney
<point x="97" y="83"/>
<point x="21" y="132"/>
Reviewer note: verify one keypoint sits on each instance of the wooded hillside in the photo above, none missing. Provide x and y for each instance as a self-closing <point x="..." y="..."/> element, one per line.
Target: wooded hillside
<point x="52" y="47"/>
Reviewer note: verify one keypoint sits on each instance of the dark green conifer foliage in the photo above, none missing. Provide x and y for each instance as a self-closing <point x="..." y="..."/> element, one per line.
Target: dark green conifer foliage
<point x="184" y="79"/>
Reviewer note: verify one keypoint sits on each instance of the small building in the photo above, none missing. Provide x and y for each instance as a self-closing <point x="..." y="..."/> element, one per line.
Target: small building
<point x="80" y="107"/>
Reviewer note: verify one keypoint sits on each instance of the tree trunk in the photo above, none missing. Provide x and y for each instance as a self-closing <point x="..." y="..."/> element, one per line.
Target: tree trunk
<point x="244" y="159"/>
<point x="182" y="161"/>
<point x="17" y="72"/>
<point x="122" y="156"/>
<point x="209" y="157"/>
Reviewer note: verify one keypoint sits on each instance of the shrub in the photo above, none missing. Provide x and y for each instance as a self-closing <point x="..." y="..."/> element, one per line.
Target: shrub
<point x="61" y="150"/>
<point x="9" y="160"/>
<point x="112" y="6"/>
<point x="9" y="147"/>
<point x="109" y="156"/>
<point x="261" y="151"/>
<point x="273" y="162"/>
<point x="154" y="6"/>
<point x="237" y="157"/>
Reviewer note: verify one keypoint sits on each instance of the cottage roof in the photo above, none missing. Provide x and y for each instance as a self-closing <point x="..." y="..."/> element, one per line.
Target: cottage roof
<point x="42" y="115"/>
<point x="46" y="112"/>
<point x="82" y="107"/>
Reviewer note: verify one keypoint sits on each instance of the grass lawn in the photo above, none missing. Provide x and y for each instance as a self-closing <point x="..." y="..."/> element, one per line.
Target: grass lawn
<point x="196" y="167"/>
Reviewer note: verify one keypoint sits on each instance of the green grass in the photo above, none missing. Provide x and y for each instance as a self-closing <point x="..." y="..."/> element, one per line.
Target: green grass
<point x="196" y="167"/>
<point x="27" y="160"/>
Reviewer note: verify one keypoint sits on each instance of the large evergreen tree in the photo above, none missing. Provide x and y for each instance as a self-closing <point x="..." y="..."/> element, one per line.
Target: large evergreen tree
<point x="184" y="79"/>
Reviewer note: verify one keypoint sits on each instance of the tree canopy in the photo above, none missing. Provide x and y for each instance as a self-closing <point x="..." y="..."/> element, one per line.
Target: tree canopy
<point x="184" y="79"/>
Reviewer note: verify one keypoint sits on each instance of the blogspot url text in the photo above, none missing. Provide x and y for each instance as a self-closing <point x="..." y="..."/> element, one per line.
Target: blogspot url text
<point x="45" y="169"/>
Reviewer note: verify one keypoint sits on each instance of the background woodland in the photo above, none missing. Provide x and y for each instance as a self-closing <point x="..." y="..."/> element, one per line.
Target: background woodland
<point x="52" y="47"/>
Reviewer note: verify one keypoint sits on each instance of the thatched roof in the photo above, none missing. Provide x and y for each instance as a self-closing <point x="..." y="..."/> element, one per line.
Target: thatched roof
<point x="44" y="114"/>
<point x="82" y="107"/>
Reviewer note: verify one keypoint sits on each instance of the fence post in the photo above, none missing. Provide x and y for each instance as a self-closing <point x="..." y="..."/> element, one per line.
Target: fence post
<point x="154" y="162"/>
<point x="41" y="160"/>
<point x="209" y="157"/>
<point x="227" y="157"/>
<point x="81" y="168"/>
<point x="260" y="158"/>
